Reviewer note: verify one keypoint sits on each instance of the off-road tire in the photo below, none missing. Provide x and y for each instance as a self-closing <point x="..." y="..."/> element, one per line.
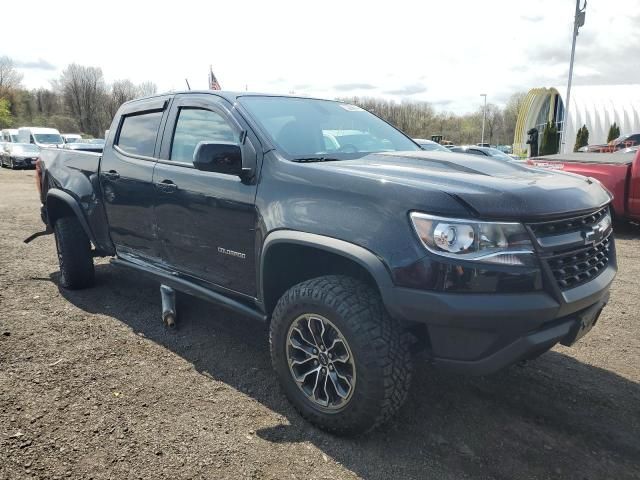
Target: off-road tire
<point x="379" y="345"/>
<point x="74" y="254"/>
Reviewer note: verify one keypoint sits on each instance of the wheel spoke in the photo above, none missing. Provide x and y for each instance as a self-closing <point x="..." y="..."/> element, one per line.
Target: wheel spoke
<point x="316" y="396"/>
<point x="302" y="378"/>
<point x="317" y="337"/>
<point x="302" y="337"/>
<point x="303" y="346"/>
<point x="340" y="390"/>
<point x="300" y="363"/>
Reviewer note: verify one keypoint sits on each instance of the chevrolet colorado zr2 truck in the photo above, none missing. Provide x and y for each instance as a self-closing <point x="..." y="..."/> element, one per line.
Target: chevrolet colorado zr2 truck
<point x="352" y="244"/>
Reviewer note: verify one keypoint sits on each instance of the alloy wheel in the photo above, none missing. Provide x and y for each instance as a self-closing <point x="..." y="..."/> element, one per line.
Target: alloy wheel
<point x="321" y="362"/>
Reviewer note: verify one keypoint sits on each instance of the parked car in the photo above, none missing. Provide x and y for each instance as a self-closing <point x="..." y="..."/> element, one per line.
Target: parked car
<point x="508" y="149"/>
<point x="620" y="173"/>
<point x="71" y="137"/>
<point x="352" y="258"/>
<point x="19" y="155"/>
<point x="620" y="143"/>
<point x="430" y="145"/>
<point x="485" y="151"/>
<point x="42" y="137"/>
<point x="629" y="150"/>
<point x="9" y="135"/>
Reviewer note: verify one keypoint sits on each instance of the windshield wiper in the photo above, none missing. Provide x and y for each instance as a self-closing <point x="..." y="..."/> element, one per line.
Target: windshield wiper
<point x="315" y="159"/>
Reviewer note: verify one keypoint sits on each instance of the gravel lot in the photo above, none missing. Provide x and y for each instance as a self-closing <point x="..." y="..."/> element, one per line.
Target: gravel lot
<point x="91" y="386"/>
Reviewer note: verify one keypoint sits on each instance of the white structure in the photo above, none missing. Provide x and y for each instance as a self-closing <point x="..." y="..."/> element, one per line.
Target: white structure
<point x="596" y="106"/>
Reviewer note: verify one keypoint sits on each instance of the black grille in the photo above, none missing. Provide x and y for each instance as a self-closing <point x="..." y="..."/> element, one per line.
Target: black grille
<point x="568" y="224"/>
<point x="580" y="266"/>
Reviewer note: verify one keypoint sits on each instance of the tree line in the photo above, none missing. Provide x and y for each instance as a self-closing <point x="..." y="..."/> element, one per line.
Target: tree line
<point x="80" y="100"/>
<point x="420" y="120"/>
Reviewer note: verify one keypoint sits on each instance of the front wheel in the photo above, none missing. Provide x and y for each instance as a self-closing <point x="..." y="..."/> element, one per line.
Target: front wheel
<point x="342" y="361"/>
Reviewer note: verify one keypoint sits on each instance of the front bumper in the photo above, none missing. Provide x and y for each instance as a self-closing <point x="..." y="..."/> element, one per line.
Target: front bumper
<point x="24" y="162"/>
<point x="483" y="333"/>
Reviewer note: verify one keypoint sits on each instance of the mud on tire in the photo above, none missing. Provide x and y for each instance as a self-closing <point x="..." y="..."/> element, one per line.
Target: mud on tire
<point x="381" y="356"/>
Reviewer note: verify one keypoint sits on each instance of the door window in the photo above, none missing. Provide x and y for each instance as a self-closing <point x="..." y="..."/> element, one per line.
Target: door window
<point x="138" y="133"/>
<point x="197" y="125"/>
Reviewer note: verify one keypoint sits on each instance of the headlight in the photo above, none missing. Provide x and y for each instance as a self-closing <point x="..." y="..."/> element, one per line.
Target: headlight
<point x="487" y="242"/>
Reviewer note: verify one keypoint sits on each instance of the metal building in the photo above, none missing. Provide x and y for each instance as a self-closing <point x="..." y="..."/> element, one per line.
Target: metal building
<point x="596" y="106"/>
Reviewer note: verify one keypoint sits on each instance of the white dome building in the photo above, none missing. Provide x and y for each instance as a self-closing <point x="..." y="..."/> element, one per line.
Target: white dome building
<point x="596" y="106"/>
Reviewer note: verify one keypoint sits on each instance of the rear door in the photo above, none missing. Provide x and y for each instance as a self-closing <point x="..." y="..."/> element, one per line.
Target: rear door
<point x="206" y="220"/>
<point x="126" y="173"/>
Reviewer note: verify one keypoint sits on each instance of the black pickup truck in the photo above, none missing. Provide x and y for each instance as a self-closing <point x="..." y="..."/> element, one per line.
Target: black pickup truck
<point x="356" y="247"/>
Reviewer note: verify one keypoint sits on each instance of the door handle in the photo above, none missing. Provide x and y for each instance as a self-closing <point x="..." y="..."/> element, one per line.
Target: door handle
<point x="167" y="186"/>
<point x="111" y="175"/>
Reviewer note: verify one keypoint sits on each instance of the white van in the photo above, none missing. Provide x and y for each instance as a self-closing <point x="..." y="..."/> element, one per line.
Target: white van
<point x="71" y="137"/>
<point x="9" y="135"/>
<point x="42" y="137"/>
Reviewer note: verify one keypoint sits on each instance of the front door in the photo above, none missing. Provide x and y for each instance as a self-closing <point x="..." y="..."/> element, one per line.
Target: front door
<point x="126" y="174"/>
<point x="206" y="221"/>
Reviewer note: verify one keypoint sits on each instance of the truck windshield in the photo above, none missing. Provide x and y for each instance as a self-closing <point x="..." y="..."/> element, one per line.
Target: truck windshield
<point x="48" y="138"/>
<point x="304" y="128"/>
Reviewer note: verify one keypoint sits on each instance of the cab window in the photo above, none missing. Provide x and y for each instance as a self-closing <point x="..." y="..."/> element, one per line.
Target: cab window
<point x="138" y="133"/>
<point x="197" y="125"/>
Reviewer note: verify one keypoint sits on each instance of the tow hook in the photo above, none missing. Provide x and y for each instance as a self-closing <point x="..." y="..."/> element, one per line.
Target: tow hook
<point x="169" y="315"/>
<point x="37" y="234"/>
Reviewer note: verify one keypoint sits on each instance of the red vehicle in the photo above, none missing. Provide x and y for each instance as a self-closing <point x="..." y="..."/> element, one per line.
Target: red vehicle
<point x="618" y="172"/>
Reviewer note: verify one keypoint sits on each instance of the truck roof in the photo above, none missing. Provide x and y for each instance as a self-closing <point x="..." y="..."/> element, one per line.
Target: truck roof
<point x="39" y="129"/>
<point x="231" y="96"/>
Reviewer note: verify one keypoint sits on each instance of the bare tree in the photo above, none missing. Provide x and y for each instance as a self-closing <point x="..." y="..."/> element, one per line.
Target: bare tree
<point x="146" y="89"/>
<point x="121" y="91"/>
<point x="84" y="93"/>
<point x="10" y="78"/>
<point x="124" y="90"/>
<point x="510" y="114"/>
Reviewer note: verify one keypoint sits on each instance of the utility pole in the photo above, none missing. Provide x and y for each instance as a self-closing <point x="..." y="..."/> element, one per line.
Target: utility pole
<point x="578" y="21"/>
<point x="484" y="114"/>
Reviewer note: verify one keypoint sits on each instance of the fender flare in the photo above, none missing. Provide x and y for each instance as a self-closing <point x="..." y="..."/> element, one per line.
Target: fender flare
<point x="72" y="203"/>
<point x="360" y="255"/>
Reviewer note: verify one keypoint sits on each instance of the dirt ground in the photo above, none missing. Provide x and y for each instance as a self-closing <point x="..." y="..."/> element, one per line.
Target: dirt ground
<point x="92" y="386"/>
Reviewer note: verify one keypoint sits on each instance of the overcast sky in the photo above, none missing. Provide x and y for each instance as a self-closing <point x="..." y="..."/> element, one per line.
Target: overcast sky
<point x="447" y="53"/>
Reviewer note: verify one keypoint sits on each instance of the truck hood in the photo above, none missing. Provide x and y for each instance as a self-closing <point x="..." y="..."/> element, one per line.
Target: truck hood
<point x="488" y="188"/>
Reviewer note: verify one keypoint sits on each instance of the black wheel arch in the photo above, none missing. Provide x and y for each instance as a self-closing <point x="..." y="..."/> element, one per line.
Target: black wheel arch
<point x="289" y="257"/>
<point x="61" y="204"/>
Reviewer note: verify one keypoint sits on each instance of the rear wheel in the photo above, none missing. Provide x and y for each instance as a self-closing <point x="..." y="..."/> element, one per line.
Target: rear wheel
<point x="12" y="165"/>
<point x="341" y="360"/>
<point x="74" y="254"/>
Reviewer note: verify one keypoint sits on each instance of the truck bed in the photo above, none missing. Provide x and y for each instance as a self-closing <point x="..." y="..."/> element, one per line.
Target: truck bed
<point x="587" y="157"/>
<point x="618" y="172"/>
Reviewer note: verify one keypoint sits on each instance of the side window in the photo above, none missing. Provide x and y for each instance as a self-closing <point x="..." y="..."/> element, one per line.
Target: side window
<point x="196" y="125"/>
<point x="138" y="133"/>
<point x="31" y="139"/>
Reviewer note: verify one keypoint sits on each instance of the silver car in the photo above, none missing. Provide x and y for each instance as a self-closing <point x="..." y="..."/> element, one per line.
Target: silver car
<point x="19" y="155"/>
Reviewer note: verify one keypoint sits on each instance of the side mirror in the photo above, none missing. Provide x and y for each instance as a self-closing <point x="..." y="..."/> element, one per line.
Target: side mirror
<point x="220" y="157"/>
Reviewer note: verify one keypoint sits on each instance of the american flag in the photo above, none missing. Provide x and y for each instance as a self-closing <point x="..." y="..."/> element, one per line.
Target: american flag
<point x="213" y="81"/>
